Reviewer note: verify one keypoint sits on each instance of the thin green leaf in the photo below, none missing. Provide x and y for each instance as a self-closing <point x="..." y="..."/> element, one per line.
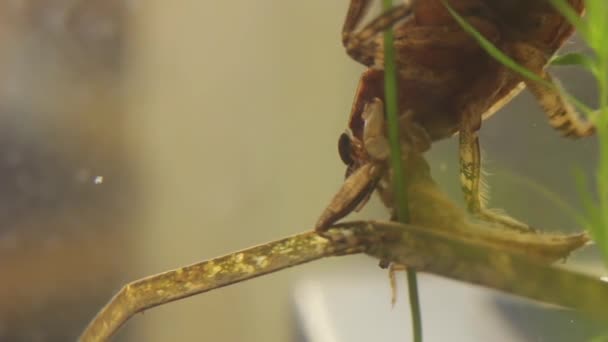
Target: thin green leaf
<point x="390" y="94"/>
<point x="589" y="206"/>
<point x="593" y="215"/>
<point x="546" y="193"/>
<point x="597" y="25"/>
<point x="575" y="59"/>
<point x="392" y="113"/>
<point x="602" y="184"/>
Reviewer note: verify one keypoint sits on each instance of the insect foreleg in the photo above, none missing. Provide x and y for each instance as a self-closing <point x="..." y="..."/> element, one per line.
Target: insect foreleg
<point x="374" y="137"/>
<point x="359" y="44"/>
<point x="356" y="188"/>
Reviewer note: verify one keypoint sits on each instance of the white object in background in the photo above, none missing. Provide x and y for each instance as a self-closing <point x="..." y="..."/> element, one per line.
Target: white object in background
<point x="349" y="307"/>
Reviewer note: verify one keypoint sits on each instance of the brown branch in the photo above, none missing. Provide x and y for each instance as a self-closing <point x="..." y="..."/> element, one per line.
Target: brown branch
<point x="222" y="271"/>
<point x="510" y="265"/>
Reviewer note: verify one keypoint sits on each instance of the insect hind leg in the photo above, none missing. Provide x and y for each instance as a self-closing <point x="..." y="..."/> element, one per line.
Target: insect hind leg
<point x="562" y="116"/>
<point x="473" y="187"/>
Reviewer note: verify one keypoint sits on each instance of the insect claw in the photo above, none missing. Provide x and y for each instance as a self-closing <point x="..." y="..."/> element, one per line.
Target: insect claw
<point x="356" y="188"/>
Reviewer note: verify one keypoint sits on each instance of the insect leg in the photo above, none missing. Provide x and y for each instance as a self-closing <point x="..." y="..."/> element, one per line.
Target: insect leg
<point x="472" y="184"/>
<point x="562" y="116"/>
<point x="392" y="278"/>
<point x="470" y="169"/>
<point x="356" y="188"/>
<point x="356" y="10"/>
<point x="476" y="101"/>
<point x="374" y="136"/>
<point x="357" y="43"/>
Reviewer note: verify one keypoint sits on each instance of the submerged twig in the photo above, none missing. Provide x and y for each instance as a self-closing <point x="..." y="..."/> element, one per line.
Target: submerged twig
<point x="472" y="259"/>
<point x="498" y="267"/>
<point x="225" y="270"/>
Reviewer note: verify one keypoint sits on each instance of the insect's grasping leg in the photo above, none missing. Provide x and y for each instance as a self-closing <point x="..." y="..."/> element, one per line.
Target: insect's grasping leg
<point x="356" y="188"/>
<point x="359" y="185"/>
<point x="357" y="44"/>
<point x="377" y="147"/>
<point x="370" y="87"/>
<point x="360" y="180"/>
<point x="375" y="142"/>
<point x="413" y="136"/>
<point x="374" y="138"/>
<point x="562" y="116"/>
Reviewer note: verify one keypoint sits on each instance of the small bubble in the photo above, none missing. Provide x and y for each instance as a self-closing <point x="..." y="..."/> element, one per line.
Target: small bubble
<point x="98" y="180"/>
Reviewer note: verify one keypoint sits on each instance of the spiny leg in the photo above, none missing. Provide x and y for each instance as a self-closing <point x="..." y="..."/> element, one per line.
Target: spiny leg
<point x="472" y="105"/>
<point x="470" y="169"/>
<point x="357" y="44"/>
<point x="562" y="116"/>
<point x="472" y="185"/>
<point x="560" y="113"/>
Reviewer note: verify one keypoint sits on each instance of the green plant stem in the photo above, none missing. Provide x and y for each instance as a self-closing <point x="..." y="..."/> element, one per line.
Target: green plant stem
<point x="390" y="95"/>
<point x="412" y="285"/>
<point x="601" y="231"/>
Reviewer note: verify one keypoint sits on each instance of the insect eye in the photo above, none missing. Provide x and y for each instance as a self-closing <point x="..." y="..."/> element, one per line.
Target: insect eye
<point x="344" y="149"/>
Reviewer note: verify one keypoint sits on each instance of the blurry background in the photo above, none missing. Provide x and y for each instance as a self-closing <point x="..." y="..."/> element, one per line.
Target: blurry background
<point x="66" y="190"/>
<point x="143" y="136"/>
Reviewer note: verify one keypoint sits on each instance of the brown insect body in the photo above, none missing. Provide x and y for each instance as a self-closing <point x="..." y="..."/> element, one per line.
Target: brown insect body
<point x="448" y="84"/>
<point x="434" y="75"/>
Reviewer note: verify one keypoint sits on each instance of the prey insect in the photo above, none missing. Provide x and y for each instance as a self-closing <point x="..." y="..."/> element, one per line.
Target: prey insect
<point x="447" y="85"/>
